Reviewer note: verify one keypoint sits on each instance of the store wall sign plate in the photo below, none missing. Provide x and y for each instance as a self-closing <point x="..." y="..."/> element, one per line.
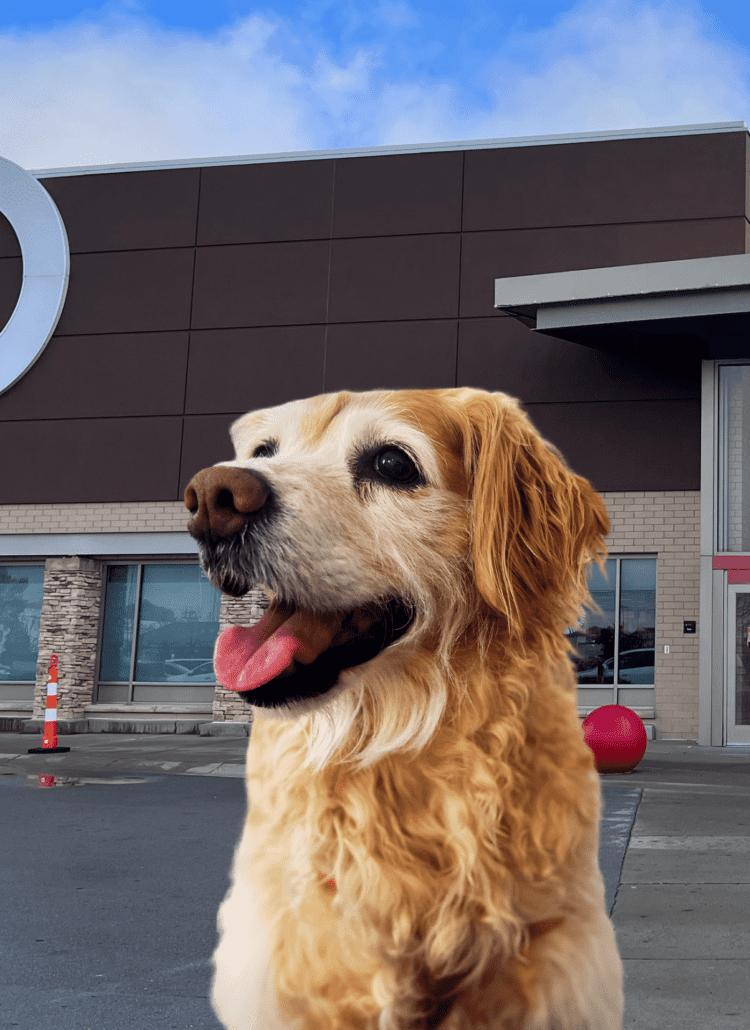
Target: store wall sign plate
<point x="46" y="269"/>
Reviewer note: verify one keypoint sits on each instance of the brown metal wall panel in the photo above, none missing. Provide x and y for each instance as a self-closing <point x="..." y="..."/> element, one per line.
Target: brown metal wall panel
<point x="113" y="460"/>
<point x="394" y="277"/>
<point x="260" y="284"/>
<point x="391" y="356"/>
<point x="128" y="292"/>
<point x="263" y="203"/>
<point x="267" y="328"/>
<point x="101" y="377"/>
<point x="205" y="442"/>
<point x="627" y="445"/>
<point x="9" y="245"/>
<point x="502" y="354"/>
<point x="637" y="180"/>
<point x="487" y="256"/>
<point x="128" y="210"/>
<point x="398" y="194"/>
<point x="244" y="369"/>
<point x="11" y="271"/>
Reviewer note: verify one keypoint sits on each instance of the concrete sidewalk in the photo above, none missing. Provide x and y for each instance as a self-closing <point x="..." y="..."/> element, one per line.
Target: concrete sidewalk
<point x="682" y="911"/>
<point x="675" y="855"/>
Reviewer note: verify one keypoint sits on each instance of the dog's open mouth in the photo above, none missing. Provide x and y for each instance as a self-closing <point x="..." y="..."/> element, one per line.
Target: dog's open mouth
<point x="294" y="652"/>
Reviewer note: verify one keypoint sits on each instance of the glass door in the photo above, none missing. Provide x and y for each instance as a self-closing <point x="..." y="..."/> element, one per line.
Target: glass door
<point x="737" y="678"/>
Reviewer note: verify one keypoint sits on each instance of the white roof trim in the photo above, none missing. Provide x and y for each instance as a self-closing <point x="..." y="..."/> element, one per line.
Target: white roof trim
<point x="413" y="148"/>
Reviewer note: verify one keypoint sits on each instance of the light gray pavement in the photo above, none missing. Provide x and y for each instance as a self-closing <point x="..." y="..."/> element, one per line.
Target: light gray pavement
<point x="682" y="912"/>
<point x="678" y="875"/>
<point x="184" y="754"/>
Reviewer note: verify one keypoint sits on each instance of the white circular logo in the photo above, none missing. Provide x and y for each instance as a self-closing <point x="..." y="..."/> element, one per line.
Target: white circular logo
<point x="46" y="269"/>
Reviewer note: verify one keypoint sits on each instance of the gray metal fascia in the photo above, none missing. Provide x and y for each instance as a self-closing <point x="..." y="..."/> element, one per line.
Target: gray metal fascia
<point x="687" y="304"/>
<point x="727" y="272"/>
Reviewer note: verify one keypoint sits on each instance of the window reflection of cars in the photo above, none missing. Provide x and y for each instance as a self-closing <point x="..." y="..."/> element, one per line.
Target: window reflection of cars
<point x="189" y="670"/>
<point x="635" y="667"/>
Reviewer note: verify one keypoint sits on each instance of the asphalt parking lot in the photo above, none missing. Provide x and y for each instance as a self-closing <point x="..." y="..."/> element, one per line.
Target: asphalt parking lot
<point x="117" y="854"/>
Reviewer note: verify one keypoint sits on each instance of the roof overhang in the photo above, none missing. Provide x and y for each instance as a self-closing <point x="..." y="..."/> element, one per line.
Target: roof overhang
<point x="702" y="304"/>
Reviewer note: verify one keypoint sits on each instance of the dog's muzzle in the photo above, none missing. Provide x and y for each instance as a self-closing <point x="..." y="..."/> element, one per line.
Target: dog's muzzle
<point x="220" y="499"/>
<point x="293" y="652"/>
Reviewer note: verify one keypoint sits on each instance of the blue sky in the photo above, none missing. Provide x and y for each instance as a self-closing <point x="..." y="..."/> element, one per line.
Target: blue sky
<point x="156" y="81"/>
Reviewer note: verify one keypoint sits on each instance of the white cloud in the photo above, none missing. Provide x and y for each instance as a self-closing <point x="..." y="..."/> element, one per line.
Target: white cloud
<point x="611" y="65"/>
<point x="122" y="89"/>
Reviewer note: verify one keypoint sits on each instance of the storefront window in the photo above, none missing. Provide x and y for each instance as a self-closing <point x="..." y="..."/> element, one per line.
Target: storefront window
<point x="21" y="591"/>
<point x="615" y="647"/>
<point x="734" y="459"/>
<point x="160" y="627"/>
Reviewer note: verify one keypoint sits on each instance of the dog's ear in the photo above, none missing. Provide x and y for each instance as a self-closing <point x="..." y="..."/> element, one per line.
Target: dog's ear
<point x="536" y="524"/>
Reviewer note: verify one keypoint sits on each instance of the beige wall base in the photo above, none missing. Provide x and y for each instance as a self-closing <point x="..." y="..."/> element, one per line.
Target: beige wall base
<point x="661" y="523"/>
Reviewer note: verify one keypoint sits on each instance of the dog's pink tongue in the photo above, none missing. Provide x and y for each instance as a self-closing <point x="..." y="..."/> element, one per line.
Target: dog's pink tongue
<point x="246" y="658"/>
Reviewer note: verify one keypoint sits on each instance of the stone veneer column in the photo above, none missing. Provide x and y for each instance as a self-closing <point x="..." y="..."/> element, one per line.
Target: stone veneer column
<point x="237" y="611"/>
<point x="68" y="628"/>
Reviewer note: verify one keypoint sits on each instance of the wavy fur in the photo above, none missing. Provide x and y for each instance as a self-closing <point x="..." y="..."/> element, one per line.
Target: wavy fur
<point x="444" y="787"/>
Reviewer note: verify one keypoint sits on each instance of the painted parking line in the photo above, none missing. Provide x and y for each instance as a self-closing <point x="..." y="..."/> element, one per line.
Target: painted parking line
<point x="229" y="769"/>
<point x="656" y="843"/>
<point x="620" y="806"/>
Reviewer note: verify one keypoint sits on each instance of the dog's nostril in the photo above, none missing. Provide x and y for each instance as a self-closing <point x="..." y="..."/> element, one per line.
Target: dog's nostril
<point x="225" y="499"/>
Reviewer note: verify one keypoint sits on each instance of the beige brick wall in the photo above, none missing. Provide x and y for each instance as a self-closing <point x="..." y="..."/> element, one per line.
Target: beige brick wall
<point x="667" y="523"/>
<point x="159" y="517"/>
<point x="664" y="523"/>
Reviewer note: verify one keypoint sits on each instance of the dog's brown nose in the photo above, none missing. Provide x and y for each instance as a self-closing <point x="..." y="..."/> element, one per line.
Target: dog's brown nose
<point x="219" y="498"/>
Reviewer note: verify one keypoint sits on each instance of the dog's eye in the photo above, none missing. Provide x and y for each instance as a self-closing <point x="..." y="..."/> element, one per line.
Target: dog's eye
<point x="264" y="450"/>
<point x="395" y="465"/>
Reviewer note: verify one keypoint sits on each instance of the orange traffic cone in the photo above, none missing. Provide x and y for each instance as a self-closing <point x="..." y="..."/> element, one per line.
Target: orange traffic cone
<point x="49" y="738"/>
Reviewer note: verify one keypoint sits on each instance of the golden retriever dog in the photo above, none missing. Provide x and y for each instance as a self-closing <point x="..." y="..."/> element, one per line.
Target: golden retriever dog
<point x="420" y="849"/>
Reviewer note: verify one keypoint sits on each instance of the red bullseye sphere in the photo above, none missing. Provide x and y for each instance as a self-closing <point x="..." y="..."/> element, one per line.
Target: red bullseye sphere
<point x="616" y="736"/>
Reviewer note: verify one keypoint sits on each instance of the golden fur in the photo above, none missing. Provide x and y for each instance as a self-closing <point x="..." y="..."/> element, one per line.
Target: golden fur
<point x="421" y="844"/>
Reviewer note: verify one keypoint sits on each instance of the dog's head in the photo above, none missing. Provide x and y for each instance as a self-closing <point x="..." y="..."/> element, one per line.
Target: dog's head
<point x="385" y="524"/>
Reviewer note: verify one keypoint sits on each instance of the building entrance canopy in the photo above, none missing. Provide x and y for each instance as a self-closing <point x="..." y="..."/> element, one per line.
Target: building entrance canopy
<point x="701" y="306"/>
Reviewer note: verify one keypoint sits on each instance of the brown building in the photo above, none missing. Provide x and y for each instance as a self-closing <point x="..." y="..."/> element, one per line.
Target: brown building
<point x="602" y="279"/>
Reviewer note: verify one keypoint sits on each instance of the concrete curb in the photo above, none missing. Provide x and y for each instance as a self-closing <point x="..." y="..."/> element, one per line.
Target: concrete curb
<point x="100" y="725"/>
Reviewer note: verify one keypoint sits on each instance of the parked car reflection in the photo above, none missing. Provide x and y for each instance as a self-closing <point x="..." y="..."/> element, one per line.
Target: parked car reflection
<point x="189" y="670"/>
<point x="635" y="667"/>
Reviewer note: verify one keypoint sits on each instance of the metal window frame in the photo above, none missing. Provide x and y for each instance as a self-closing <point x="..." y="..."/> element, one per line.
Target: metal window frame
<point x="719" y="460"/>
<point x="730" y="673"/>
<point x="713" y="709"/>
